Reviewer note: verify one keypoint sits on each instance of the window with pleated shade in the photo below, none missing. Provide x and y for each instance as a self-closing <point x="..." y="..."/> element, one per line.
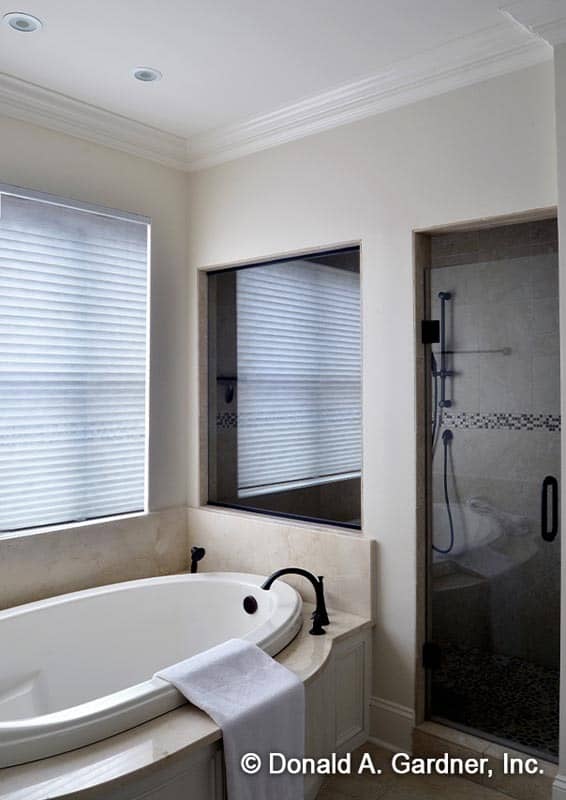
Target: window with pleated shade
<point x="73" y="361"/>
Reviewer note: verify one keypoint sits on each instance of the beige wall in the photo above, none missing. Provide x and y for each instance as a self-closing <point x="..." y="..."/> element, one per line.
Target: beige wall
<point x="36" y="158"/>
<point x="480" y="152"/>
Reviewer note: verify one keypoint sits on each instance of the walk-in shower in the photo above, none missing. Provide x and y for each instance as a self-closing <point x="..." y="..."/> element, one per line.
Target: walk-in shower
<point x="493" y="442"/>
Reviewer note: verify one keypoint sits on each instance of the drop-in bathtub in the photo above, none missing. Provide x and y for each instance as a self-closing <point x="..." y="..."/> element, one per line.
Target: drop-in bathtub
<point x="78" y="668"/>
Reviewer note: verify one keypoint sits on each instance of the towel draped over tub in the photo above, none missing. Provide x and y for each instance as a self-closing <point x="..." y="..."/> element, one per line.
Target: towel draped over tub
<point x="260" y="707"/>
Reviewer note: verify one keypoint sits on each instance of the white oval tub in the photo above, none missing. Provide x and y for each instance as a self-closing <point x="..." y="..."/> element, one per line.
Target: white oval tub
<point x="77" y="668"/>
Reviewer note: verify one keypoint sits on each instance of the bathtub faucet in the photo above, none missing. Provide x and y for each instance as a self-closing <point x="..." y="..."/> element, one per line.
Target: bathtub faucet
<point x="319" y="615"/>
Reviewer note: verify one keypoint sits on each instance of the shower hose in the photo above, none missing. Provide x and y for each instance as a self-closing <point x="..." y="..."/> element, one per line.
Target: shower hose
<point x="447" y="437"/>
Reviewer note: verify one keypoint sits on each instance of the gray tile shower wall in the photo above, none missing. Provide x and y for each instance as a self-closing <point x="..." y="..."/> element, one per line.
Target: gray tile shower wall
<point x="503" y="242"/>
<point x="505" y="338"/>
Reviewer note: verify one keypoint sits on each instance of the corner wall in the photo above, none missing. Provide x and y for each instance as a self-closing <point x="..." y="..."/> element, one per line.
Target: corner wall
<point x="484" y="151"/>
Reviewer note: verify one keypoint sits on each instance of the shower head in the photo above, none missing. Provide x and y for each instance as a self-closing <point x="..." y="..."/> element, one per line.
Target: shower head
<point x="447" y="436"/>
<point x="445" y="295"/>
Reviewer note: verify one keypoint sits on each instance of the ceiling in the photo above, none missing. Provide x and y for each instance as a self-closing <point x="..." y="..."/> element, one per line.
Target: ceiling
<point x="225" y="62"/>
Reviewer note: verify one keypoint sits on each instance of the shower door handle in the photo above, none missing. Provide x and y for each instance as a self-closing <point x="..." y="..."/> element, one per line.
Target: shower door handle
<point x="549" y="533"/>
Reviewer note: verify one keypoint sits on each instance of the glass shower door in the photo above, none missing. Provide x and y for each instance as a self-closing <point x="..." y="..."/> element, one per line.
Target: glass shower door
<point x="495" y="457"/>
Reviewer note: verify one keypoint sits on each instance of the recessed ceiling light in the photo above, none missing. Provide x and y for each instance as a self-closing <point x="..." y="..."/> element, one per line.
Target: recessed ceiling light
<point x="146" y="74"/>
<point x="22" y="22"/>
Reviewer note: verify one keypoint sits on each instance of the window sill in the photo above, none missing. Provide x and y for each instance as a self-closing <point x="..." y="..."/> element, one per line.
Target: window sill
<point x="273" y="518"/>
<point x="70" y="526"/>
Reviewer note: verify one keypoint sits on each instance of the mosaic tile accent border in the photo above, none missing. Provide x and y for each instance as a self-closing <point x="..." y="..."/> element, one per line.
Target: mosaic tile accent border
<point x="469" y="420"/>
<point x="226" y="421"/>
<point x="501" y="421"/>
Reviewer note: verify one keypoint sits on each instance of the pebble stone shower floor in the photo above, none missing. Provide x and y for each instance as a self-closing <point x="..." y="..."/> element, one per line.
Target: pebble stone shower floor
<point x="504" y="697"/>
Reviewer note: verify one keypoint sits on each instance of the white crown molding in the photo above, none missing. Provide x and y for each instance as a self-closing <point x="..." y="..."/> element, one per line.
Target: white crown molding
<point x="503" y="48"/>
<point x="461" y="62"/>
<point x="543" y="18"/>
<point x="31" y="103"/>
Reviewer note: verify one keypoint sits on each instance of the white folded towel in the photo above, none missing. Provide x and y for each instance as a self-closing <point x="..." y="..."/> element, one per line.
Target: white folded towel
<point x="260" y="706"/>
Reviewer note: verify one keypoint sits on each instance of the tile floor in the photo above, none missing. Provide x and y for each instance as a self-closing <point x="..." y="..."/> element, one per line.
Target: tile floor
<point x="389" y="786"/>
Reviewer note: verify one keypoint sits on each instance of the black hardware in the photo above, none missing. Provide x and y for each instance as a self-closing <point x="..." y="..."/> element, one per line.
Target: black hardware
<point x="229" y="380"/>
<point x="549" y="483"/>
<point x="432" y="655"/>
<point x="430" y="331"/>
<point x="250" y="604"/>
<point x="319" y="616"/>
<point x="197" y="553"/>
<point x="443" y="373"/>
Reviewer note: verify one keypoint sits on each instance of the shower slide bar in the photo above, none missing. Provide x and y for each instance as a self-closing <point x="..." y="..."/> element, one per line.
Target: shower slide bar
<point x="441" y="404"/>
<point x="443" y="372"/>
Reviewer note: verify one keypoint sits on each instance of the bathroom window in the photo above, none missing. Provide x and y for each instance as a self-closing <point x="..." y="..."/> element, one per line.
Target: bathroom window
<point x="73" y="318"/>
<point x="285" y="387"/>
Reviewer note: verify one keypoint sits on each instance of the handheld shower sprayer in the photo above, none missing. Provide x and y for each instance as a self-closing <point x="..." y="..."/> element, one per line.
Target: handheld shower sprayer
<point x="447" y="437"/>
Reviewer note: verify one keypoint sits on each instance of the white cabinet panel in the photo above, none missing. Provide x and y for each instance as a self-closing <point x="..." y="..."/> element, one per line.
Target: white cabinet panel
<point x="350" y="695"/>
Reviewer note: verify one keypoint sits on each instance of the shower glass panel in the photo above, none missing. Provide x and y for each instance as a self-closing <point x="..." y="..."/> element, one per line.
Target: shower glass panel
<point x="494" y="434"/>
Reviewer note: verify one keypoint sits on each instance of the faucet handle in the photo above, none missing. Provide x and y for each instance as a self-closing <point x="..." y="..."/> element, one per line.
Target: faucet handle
<point x="317" y="629"/>
<point x="321" y="606"/>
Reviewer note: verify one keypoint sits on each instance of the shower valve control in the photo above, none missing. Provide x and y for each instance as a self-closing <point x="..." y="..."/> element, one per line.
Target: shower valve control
<point x="430" y="331"/>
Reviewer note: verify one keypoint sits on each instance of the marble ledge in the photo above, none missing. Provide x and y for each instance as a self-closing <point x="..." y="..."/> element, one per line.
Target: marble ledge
<point x="169" y="737"/>
<point x="306" y="654"/>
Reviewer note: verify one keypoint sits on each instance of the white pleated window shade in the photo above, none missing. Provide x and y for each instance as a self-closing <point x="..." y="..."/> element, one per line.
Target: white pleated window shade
<point x="73" y="288"/>
<point x="299" y="376"/>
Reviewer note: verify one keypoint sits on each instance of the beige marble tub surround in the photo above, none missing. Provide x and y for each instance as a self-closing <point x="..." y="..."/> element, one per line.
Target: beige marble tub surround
<point x="238" y="541"/>
<point x="109" y="763"/>
<point x="307" y="654"/>
<point x="69" y="558"/>
<point x="105" y="766"/>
